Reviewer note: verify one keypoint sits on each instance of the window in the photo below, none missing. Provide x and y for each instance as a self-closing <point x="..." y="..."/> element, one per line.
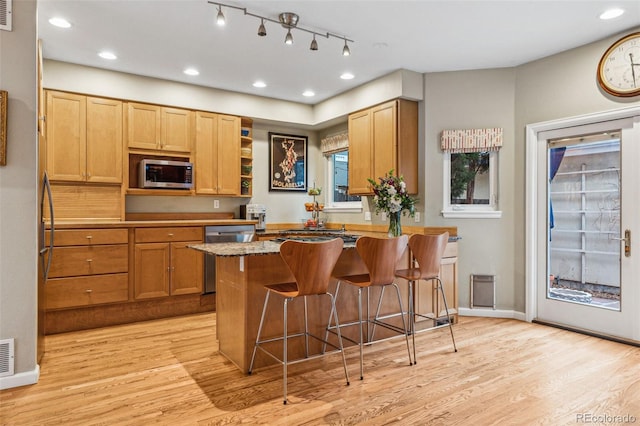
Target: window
<point x="471" y="185"/>
<point x="337" y="172"/>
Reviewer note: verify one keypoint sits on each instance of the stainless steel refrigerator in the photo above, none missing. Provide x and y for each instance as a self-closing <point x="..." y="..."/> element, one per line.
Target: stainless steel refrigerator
<point x="46" y="253"/>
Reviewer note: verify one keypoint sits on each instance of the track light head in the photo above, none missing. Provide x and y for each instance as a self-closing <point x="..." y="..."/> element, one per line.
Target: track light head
<point x="262" y="31"/>
<point x="289" y="38"/>
<point x="314" y="43"/>
<point x="345" y="50"/>
<point x="220" y="18"/>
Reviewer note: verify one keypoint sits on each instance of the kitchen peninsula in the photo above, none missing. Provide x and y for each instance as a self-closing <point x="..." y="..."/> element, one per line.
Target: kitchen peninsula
<point x="243" y="269"/>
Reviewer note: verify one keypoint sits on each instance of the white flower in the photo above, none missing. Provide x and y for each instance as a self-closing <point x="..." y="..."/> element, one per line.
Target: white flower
<point x="392" y="191"/>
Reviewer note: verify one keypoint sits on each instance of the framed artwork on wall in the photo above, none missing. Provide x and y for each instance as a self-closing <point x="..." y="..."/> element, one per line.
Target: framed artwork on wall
<point x="4" y="97"/>
<point x="287" y="162"/>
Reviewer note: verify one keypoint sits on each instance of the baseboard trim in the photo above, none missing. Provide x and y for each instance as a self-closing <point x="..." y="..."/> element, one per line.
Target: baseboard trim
<point x="20" y="379"/>
<point x="491" y="313"/>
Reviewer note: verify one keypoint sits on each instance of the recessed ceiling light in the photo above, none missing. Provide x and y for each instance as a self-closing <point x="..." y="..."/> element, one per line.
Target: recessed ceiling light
<point x="612" y="13"/>
<point x="191" y="71"/>
<point x="260" y="84"/>
<point x="60" y="22"/>
<point x="308" y="93"/>
<point x="346" y="76"/>
<point x="107" y="55"/>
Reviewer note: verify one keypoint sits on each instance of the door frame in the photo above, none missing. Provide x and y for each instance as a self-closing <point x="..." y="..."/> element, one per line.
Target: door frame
<point x="535" y="252"/>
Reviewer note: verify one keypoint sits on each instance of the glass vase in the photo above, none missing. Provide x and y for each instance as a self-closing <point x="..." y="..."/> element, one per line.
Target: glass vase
<point x="395" y="227"/>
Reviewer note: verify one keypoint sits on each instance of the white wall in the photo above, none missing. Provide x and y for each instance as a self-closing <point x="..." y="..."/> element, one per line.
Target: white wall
<point x="18" y="205"/>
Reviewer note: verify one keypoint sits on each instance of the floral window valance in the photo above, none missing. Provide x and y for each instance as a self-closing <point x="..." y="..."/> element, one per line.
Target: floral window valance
<point x="335" y="143"/>
<point x="471" y="140"/>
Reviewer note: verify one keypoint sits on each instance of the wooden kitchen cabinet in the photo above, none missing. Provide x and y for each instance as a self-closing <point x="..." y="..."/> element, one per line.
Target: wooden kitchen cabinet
<point x="164" y="265"/>
<point x="88" y="267"/>
<point x="217" y="154"/>
<point x="383" y="138"/>
<point x="84" y="138"/>
<point x="428" y="300"/>
<point x="157" y="128"/>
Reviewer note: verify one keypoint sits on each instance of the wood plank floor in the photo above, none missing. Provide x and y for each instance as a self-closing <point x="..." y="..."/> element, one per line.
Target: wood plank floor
<point x="168" y="372"/>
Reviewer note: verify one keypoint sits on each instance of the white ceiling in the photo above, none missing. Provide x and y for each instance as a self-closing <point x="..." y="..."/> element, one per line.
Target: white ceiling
<point x="160" y="38"/>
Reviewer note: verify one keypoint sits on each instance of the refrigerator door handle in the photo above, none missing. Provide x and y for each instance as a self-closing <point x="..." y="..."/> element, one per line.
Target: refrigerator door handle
<point x="46" y="185"/>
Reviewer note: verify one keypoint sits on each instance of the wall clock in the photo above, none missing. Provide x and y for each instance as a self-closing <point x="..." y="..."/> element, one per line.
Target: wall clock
<point x="619" y="67"/>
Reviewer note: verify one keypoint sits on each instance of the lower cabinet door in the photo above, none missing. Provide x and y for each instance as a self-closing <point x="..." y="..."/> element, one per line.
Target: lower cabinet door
<point x="187" y="269"/>
<point x="84" y="291"/>
<point x="152" y="270"/>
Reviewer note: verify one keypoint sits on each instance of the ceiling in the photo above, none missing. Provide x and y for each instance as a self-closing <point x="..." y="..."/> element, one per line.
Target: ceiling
<point x="161" y="38"/>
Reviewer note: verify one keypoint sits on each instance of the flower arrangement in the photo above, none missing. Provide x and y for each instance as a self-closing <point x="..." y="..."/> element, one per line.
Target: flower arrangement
<point x="391" y="197"/>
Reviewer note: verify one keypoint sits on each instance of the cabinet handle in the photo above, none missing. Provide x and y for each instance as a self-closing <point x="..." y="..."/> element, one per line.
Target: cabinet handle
<point x="89" y="237"/>
<point x="89" y="260"/>
<point x="170" y="234"/>
<point x="89" y="291"/>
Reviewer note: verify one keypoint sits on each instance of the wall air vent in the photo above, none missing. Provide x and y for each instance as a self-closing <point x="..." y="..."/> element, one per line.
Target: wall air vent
<point x="5" y="15"/>
<point x="6" y="357"/>
<point x="483" y="291"/>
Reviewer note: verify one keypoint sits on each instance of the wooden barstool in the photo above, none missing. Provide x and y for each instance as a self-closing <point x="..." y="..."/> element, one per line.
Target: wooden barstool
<point x="427" y="251"/>
<point x="311" y="264"/>
<point x="380" y="256"/>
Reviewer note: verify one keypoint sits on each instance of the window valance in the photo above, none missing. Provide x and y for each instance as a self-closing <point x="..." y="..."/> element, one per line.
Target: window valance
<point x="471" y="140"/>
<point x="335" y="143"/>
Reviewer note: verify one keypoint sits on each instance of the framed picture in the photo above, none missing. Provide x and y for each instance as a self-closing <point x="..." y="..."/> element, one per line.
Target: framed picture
<point x="4" y="96"/>
<point x="287" y="162"/>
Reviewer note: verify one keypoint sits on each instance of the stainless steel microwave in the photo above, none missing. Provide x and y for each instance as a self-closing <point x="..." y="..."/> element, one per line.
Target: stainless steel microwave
<point x="165" y="174"/>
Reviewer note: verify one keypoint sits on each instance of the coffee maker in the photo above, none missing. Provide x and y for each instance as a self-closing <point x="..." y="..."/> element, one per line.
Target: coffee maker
<point x="254" y="212"/>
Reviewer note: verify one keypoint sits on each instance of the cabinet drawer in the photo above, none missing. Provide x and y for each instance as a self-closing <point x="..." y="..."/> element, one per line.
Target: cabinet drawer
<point x="157" y="235"/>
<point x="83" y="291"/>
<point x="89" y="260"/>
<point x="451" y="250"/>
<point x="80" y="237"/>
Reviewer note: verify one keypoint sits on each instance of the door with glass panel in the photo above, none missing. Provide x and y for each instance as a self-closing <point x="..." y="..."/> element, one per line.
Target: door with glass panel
<point x="591" y="230"/>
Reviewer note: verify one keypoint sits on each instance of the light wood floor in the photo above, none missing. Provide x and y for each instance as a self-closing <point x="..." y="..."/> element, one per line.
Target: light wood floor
<point x="169" y="372"/>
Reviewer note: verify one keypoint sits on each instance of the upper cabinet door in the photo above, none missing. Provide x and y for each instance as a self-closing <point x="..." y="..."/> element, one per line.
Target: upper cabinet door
<point x="205" y="155"/>
<point x="360" y="152"/>
<point x="176" y="130"/>
<point x="385" y="143"/>
<point x="104" y="140"/>
<point x="143" y="129"/>
<point x="66" y="136"/>
<point x="228" y="163"/>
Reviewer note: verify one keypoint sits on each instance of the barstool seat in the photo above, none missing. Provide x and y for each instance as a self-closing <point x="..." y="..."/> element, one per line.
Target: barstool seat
<point x="427" y="251"/>
<point x="311" y="264"/>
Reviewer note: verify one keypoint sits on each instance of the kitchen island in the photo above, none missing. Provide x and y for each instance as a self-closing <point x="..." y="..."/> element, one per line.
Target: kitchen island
<point x="243" y="269"/>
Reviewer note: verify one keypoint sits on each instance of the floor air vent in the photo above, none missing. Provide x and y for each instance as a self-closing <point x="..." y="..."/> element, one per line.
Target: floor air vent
<point x="483" y="291"/>
<point x="6" y="357"/>
<point x="5" y="15"/>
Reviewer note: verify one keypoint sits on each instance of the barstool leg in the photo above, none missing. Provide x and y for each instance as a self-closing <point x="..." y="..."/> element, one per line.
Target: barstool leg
<point x="255" y="347"/>
<point x="306" y="329"/>
<point x="344" y="358"/>
<point x="284" y="350"/>
<point x="360" y="327"/>
<point x="446" y="309"/>
<point x="404" y="323"/>
<point x="412" y="321"/>
<point x="373" y="329"/>
<point x="333" y="308"/>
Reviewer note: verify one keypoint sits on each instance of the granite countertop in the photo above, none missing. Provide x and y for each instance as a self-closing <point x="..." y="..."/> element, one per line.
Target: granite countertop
<point x="254" y="248"/>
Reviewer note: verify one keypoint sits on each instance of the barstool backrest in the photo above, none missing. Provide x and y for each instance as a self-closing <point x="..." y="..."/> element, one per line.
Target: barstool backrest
<point x="311" y="263"/>
<point x="428" y="251"/>
<point x="380" y="255"/>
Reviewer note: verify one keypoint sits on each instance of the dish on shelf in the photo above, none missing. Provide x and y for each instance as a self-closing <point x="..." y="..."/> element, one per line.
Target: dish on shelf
<point x="245" y="151"/>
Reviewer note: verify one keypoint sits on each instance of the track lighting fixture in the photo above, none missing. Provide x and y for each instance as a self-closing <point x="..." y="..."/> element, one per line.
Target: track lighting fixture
<point x="220" y="18"/>
<point x="287" y="20"/>
<point x="262" y="31"/>
<point x="345" y="50"/>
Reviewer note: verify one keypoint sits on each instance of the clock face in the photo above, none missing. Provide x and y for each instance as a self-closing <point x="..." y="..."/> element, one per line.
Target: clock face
<point x="619" y="68"/>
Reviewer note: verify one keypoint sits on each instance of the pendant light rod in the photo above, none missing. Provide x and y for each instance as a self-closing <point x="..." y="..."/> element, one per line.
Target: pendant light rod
<point x="326" y="35"/>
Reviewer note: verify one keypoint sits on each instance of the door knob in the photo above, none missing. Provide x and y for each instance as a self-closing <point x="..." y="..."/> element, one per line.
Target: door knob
<point x="627" y="242"/>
